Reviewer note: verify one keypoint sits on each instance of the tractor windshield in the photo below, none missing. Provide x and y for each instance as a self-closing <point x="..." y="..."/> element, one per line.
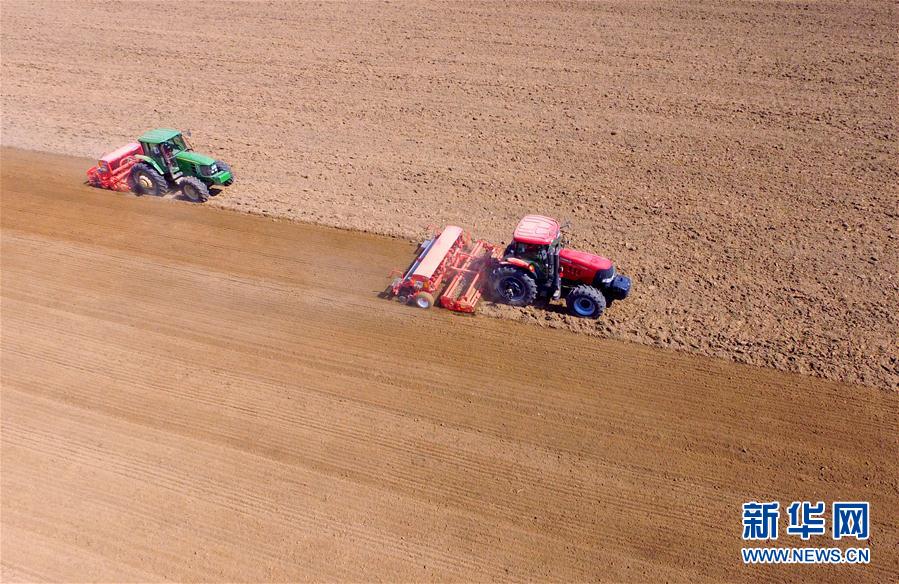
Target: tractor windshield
<point x="180" y="143"/>
<point x="528" y="251"/>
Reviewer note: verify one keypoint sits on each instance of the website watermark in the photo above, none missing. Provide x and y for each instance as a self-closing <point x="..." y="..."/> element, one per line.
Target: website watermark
<point x="806" y="520"/>
<point x="808" y="555"/>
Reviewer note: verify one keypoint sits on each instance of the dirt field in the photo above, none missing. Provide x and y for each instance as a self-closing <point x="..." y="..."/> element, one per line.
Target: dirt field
<point x="193" y="394"/>
<point x="738" y="159"/>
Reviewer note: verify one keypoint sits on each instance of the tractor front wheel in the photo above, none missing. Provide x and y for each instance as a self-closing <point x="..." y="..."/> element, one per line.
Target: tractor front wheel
<point x="586" y="302"/>
<point x="513" y="286"/>
<point x="225" y="166"/>
<point x="146" y="181"/>
<point x="194" y="189"/>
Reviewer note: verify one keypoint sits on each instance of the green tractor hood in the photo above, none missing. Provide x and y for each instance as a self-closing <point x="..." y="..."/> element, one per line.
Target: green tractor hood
<point x="194" y="158"/>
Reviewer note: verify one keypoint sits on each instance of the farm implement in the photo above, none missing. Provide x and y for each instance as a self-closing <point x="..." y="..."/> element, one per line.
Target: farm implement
<point x="455" y="270"/>
<point x="450" y="268"/>
<point x="159" y="161"/>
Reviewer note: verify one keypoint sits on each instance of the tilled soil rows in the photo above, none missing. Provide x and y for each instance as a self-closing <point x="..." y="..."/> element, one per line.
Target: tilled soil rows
<point x="196" y="395"/>
<point x="739" y="160"/>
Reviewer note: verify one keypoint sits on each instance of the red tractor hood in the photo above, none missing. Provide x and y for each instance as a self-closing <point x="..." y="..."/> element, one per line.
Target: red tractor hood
<point x="587" y="261"/>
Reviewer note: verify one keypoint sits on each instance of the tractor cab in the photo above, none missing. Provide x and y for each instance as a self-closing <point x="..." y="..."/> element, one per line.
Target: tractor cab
<point x="535" y="237"/>
<point x="536" y="244"/>
<point x="163" y="146"/>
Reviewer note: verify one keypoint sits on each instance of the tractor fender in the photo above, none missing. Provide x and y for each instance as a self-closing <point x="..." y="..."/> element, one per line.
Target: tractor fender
<point x="519" y="263"/>
<point x="151" y="162"/>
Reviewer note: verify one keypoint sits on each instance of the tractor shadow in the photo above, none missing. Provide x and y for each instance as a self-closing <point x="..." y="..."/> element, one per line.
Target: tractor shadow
<point x="558" y="307"/>
<point x="175" y="193"/>
<point x="178" y="195"/>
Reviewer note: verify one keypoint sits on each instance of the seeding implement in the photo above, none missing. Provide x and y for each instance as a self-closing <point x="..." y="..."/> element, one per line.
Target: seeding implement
<point x="452" y="267"/>
<point x="160" y="159"/>
<point x="113" y="171"/>
<point x="449" y="267"/>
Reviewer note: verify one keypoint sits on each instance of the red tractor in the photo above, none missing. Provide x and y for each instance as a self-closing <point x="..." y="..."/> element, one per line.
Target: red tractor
<point x="536" y="265"/>
<point x="454" y="269"/>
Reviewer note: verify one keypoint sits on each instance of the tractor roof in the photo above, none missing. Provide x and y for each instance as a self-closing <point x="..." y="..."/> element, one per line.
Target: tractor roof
<point x="536" y="229"/>
<point x="158" y="135"/>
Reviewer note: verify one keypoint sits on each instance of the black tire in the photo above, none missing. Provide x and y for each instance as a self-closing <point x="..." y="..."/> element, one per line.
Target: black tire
<point x="586" y="302"/>
<point x="513" y="286"/>
<point x="194" y="189"/>
<point x="146" y="181"/>
<point x="423" y="300"/>
<point x="225" y="166"/>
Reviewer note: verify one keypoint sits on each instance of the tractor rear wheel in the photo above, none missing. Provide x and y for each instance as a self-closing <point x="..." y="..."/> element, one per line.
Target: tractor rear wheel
<point x="586" y="302"/>
<point x="423" y="300"/>
<point x="513" y="286"/>
<point x="194" y="189"/>
<point x="225" y="166"/>
<point x="146" y="181"/>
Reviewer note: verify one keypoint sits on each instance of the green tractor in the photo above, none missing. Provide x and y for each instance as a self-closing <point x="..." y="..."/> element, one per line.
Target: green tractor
<point x="168" y="161"/>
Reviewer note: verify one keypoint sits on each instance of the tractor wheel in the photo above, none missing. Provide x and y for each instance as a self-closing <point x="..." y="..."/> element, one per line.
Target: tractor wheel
<point x="146" y="181"/>
<point x="423" y="300"/>
<point x="194" y="189"/>
<point x="586" y="302"/>
<point x="513" y="286"/>
<point x="225" y="166"/>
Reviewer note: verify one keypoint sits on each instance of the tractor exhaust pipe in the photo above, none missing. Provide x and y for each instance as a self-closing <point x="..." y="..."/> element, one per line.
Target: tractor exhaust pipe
<point x="557" y="271"/>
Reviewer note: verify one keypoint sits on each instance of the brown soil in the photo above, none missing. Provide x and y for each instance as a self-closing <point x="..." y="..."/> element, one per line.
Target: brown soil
<point x="199" y="395"/>
<point x="739" y="160"/>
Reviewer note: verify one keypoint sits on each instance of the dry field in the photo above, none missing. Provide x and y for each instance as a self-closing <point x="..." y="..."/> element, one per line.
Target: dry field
<point x="195" y="395"/>
<point x="738" y="159"/>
